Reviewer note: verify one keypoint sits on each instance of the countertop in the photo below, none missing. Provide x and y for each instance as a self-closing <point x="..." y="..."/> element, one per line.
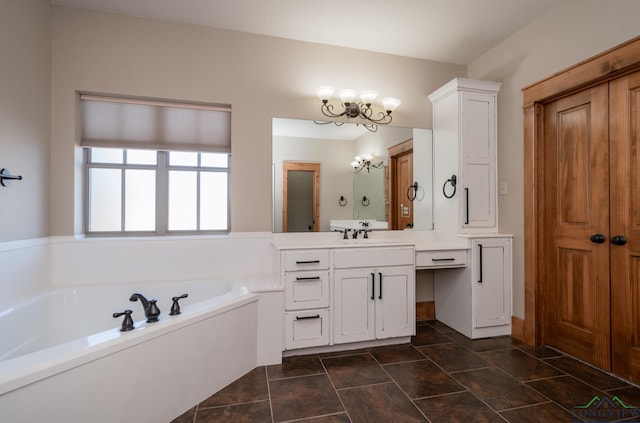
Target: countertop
<point x="421" y="240"/>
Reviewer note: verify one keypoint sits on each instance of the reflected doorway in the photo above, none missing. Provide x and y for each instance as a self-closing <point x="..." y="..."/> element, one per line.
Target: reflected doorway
<point x="400" y="180"/>
<point x="300" y="197"/>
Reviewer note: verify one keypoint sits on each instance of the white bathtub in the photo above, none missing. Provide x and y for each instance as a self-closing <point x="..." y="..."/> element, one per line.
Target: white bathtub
<point x="65" y="359"/>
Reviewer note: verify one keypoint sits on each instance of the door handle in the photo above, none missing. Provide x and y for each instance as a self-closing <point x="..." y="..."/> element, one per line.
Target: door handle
<point x="480" y="251"/>
<point x="373" y="286"/>
<point x="598" y="238"/>
<point x="380" y="293"/>
<point x="466" y="194"/>
<point x="618" y="240"/>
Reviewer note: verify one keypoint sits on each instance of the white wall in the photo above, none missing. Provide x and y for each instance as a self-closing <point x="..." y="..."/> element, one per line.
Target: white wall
<point x="25" y="101"/>
<point x="571" y="32"/>
<point x="261" y="77"/>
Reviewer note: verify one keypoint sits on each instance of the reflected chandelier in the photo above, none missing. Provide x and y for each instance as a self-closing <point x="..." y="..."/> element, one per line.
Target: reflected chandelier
<point x="362" y="109"/>
<point x="367" y="161"/>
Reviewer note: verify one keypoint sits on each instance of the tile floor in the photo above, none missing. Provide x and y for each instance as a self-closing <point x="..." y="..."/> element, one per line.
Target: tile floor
<point x="441" y="376"/>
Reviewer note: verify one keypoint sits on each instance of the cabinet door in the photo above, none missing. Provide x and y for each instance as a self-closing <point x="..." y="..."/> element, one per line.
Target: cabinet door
<point x="395" y="301"/>
<point x="491" y="280"/>
<point x="354" y="305"/>
<point x="478" y="138"/>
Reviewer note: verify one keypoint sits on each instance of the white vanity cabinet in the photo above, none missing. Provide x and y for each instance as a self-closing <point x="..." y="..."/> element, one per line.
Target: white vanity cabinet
<point x="374" y="294"/>
<point x="476" y="300"/>
<point x="307" y="281"/>
<point x="465" y="145"/>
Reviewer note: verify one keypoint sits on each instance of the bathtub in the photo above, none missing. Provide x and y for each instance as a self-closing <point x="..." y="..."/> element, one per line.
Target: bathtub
<point x="64" y="357"/>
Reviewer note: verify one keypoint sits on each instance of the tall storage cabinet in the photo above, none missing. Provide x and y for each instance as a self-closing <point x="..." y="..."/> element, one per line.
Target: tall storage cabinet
<point x="465" y="145"/>
<point x="474" y="300"/>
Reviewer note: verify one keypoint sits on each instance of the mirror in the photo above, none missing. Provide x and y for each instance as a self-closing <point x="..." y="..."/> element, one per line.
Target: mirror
<point x="337" y="193"/>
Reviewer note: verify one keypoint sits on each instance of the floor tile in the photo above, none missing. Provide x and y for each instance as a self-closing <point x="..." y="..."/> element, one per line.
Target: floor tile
<point x="481" y="345"/>
<point x="426" y="335"/>
<point x="439" y="326"/>
<point x="630" y="395"/>
<point x="396" y="354"/>
<point x="540" y="413"/>
<point x="250" y="387"/>
<point x="499" y="390"/>
<point x="354" y="370"/>
<point x="538" y="352"/>
<point x="566" y="391"/>
<point x="520" y="365"/>
<point x="379" y="403"/>
<point x="587" y="374"/>
<point x="454" y="357"/>
<point x="302" y="365"/>
<point x="253" y="412"/>
<point x="336" y="418"/>
<point x="303" y="397"/>
<point x="462" y="407"/>
<point x="422" y="379"/>
<point x="186" y="417"/>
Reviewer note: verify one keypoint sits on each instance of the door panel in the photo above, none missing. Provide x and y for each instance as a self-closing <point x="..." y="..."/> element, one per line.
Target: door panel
<point x="404" y="179"/>
<point x="625" y="220"/>
<point x="576" y="196"/>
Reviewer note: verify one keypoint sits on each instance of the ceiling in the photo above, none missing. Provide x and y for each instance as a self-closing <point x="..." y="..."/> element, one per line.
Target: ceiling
<point x="452" y="31"/>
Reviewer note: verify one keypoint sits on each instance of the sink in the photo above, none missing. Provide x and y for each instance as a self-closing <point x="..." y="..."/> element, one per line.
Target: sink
<point x="366" y="241"/>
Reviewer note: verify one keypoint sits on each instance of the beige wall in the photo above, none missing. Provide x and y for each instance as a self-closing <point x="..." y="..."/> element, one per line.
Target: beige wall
<point x="25" y="87"/>
<point x="571" y="32"/>
<point x="261" y="77"/>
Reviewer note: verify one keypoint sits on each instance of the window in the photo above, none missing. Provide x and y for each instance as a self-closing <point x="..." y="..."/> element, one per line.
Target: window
<point x="155" y="167"/>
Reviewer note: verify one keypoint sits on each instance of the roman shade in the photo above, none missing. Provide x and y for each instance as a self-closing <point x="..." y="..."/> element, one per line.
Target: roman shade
<point x="158" y="125"/>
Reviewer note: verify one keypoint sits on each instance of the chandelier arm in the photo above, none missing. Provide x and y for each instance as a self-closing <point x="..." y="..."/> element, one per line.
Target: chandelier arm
<point x="327" y="110"/>
<point x="384" y="119"/>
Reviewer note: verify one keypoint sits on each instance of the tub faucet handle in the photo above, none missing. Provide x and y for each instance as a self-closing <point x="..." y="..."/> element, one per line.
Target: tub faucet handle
<point x="127" y="323"/>
<point x="152" y="311"/>
<point x="175" y="307"/>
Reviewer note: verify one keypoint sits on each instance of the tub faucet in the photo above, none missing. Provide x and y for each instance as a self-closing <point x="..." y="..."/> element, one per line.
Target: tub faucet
<point x="151" y="310"/>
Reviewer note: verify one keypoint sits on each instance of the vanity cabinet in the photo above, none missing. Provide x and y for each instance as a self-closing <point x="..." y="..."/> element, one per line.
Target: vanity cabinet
<point x="476" y="300"/>
<point x="374" y="294"/>
<point x="465" y="145"/>
<point x="307" y="280"/>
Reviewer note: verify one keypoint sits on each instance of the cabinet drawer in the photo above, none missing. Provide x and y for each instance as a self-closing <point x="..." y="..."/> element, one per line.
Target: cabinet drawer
<point x="373" y="257"/>
<point x="305" y="290"/>
<point x="305" y="329"/>
<point x="306" y="260"/>
<point x="441" y="259"/>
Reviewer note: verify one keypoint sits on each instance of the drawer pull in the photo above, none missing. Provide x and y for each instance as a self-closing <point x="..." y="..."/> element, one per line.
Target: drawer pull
<point x="307" y="261"/>
<point x="444" y="259"/>
<point x="308" y="278"/>
<point x="317" y="316"/>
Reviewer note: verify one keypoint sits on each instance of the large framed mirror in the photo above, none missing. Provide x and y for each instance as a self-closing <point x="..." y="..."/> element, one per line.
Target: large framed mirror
<point x="316" y="188"/>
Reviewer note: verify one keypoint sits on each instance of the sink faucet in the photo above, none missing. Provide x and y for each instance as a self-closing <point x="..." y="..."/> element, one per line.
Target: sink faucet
<point x="151" y="310"/>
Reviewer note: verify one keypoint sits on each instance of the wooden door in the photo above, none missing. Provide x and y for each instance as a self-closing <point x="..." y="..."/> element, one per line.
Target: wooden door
<point x="401" y="205"/>
<point x="576" y="186"/>
<point x="301" y="215"/>
<point x="625" y="221"/>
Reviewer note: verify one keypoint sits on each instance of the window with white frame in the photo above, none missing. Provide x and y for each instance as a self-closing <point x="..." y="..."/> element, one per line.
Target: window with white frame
<point x="155" y="167"/>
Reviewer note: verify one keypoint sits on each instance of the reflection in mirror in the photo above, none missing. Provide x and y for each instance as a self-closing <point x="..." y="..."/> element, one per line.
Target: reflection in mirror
<point x="340" y="190"/>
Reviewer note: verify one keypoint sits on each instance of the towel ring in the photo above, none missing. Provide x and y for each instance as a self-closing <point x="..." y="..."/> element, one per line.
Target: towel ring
<point x="452" y="181"/>
<point x="365" y="201"/>
<point x="342" y="201"/>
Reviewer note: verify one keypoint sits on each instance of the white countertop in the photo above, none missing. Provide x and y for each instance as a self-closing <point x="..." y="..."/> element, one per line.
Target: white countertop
<point x="421" y="240"/>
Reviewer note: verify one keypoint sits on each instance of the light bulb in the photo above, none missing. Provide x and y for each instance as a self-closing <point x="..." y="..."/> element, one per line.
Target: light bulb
<point x="347" y="95"/>
<point x="325" y="92"/>
<point x="390" y="104"/>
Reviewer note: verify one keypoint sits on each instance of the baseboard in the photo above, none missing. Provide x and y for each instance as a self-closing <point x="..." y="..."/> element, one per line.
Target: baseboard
<point x="517" y="328"/>
<point x="425" y="310"/>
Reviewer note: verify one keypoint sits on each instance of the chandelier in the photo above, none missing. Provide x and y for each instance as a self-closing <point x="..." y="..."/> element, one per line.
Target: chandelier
<point x="367" y="161"/>
<point x="362" y="109"/>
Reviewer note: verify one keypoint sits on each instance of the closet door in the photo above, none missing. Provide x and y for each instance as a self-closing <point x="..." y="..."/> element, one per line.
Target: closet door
<point x="625" y="222"/>
<point x="576" y="276"/>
